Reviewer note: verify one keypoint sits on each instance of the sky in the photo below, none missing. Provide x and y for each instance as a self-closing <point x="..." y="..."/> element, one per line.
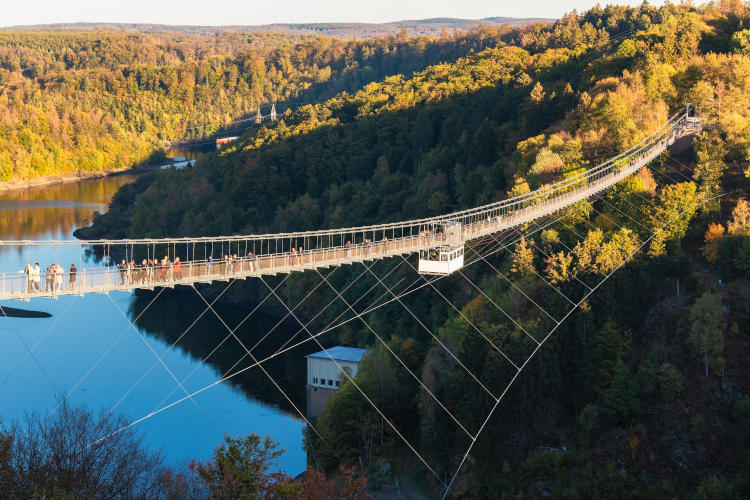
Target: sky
<point x="253" y="12"/>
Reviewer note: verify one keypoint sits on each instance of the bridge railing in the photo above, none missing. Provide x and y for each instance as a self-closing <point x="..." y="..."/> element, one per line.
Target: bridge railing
<point x="282" y="252"/>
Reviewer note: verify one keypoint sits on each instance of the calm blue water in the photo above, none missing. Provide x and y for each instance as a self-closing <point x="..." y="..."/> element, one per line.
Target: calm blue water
<point x="90" y="350"/>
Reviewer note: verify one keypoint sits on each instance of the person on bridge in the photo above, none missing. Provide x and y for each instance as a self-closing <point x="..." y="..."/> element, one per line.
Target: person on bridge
<point x="59" y="271"/>
<point x="251" y="261"/>
<point x="177" y="268"/>
<point x="50" y="282"/>
<point x="72" y="279"/>
<point x="123" y="267"/>
<point x="36" y="277"/>
<point x="29" y="272"/>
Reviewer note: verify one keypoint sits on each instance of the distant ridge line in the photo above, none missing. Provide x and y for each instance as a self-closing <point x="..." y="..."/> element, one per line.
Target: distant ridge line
<point x="433" y="26"/>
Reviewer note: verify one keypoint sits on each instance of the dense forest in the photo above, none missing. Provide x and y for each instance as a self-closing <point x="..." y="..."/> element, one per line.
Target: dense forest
<point x="76" y="101"/>
<point x="642" y="391"/>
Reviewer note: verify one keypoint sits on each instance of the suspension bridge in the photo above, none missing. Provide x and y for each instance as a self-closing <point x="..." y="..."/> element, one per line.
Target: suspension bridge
<point x="439" y="241"/>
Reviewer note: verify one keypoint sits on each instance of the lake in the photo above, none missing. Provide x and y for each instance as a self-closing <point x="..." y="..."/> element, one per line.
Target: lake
<point x="104" y="351"/>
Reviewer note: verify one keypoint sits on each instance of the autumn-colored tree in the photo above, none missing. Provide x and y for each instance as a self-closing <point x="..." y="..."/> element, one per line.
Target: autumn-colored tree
<point x="712" y="239"/>
<point x="559" y="267"/>
<point x="710" y="152"/>
<point x="343" y="485"/>
<point x="537" y="93"/>
<point x="740" y="222"/>
<point x="522" y="262"/>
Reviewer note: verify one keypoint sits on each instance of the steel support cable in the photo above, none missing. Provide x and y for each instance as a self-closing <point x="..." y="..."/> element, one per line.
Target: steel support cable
<point x="278" y="353"/>
<point x="349" y="377"/>
<point x="323" y="309"/>
<point x="36" y="344"/>
<point x="169" y="348"/>
<point x="437" y="339"/>
<point x="498" y="307"/>
<point x="549" y="334"/>
<point x="519" y="289"/>
<point x="28" y="351"/>
<point x="273" y="381"/>
<point x="419" y="381"/>
<point x="471" y="323"/>
<point x="262" y="339"/>
<point x="550" y="285"/>
<point x="145" y="342"/>
<point x="216" y="348"/>
<point x="106" y="352"/>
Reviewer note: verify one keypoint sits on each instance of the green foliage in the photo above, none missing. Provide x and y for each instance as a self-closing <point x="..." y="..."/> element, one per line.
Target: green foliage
<point x="620" y="399"/>
<point x="241" y="468"/>
<point x="741" y="42"/>
<point x="707" y="325"/>
<point x="675" y="207"/>
<point x="540" y="105"/>
<point x="670" y="381"/>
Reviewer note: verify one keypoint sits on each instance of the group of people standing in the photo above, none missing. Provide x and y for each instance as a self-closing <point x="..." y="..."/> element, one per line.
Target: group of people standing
<point x="149" y="270"/>
<point x="54" y="274"/>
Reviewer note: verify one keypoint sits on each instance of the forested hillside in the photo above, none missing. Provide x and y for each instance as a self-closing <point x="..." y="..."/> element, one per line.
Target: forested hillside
<point x="73" y="101"/>
<point x="642" y="392"/>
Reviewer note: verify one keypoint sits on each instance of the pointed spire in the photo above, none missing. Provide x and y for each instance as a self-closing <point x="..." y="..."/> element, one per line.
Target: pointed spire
<point x="258" y="116"/>
<point x="273" y="112"/>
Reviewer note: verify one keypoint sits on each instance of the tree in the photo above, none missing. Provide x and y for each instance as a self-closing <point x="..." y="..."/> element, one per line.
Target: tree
<point x="707" y="324"/>
<point x="713" y="238"/>
<point x="537" y="93"/>
<point x="343" y="486"/>
<point x="675" y="207"/>
<point x="710" y="152"/>
<point x="241" y="468"/>
<point x="522" y="262"/>
<point x="559" y="267"/>
<point x="620" y="400"/>
<point x="740" y="222"/>
<point x="670" y="381"/>
<point x="75" y="454"/>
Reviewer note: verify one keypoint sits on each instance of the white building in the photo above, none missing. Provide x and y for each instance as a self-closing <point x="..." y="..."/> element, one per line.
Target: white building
<point x="324" y="375"/>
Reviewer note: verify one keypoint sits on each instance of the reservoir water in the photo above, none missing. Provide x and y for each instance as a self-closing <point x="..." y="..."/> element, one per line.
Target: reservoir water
<point x="104" y="351"/>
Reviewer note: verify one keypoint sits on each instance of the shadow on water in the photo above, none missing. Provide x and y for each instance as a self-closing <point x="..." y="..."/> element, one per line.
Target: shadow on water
<point x="13" y="312"/>
<point x="177" y="310"/>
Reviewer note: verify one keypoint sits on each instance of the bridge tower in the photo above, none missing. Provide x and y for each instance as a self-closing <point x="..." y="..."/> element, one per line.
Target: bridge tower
<point x="273" y="112"/>
<point x="446" y="256"/>
<point x="258" y="116"/>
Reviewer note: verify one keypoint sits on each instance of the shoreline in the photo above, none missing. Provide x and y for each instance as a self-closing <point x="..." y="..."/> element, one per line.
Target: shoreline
<point x="49" y="180"/>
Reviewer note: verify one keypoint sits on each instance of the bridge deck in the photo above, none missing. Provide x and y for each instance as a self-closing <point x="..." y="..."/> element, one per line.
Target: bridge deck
<point x="476" y="223"/>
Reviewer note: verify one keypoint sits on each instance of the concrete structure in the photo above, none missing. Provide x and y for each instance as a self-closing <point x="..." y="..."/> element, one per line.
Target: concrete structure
<point x="324" y="376"/>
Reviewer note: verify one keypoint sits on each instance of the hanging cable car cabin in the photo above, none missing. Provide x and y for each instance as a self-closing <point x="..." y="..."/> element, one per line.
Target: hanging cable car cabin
<point x="447" y="254"/>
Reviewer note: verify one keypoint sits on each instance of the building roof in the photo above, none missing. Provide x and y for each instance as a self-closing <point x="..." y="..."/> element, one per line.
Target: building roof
<point x="341" y="353"/>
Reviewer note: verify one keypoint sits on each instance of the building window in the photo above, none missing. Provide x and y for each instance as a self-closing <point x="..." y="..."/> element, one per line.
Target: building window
<point x="315" y="380"/>
<point x="330" y="381"/>
<point x="337" y="383"/>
